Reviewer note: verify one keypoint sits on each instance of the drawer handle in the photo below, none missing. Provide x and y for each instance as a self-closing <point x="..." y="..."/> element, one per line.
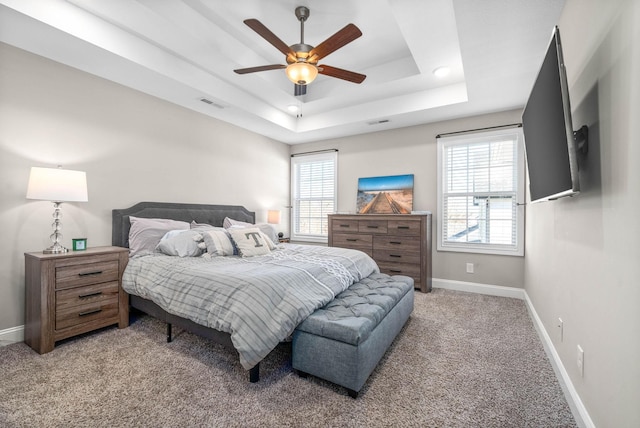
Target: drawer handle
<point x="372" y="227"/>
<point x="404" y="227"/>
<point x="90" y="273"/>
<point x="351" y="240"/>
<point x="86" y="296"/>
<point x="395" y="242"/>
<point x="395" y="255"/>
<point x="343" y="225"/>
<point x="395" y="271"/>
<point x="95" y="311"/>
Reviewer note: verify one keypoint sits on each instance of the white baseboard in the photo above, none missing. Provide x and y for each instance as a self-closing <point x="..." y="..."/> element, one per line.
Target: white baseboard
<point x="13" y="334"/>
<point x="575" y="403"/>
<point x="473" y="287"/>
<point x="573" y="399"/>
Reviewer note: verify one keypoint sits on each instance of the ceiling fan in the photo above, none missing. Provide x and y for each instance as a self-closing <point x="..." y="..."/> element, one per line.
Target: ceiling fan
<point x="302" y="59"/>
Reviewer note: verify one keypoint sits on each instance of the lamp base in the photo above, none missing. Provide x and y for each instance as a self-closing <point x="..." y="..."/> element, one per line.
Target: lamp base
<point x="55" y="249"/>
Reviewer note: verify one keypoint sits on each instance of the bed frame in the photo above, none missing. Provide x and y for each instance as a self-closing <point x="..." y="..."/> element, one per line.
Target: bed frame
<point x="209" y="214"/>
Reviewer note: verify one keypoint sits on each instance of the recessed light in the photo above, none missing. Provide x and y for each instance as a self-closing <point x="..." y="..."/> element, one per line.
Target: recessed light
<point x="293" y="108"/>
<point x="442" y="71"/>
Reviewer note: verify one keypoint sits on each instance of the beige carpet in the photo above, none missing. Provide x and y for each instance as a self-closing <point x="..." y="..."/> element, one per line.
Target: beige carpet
<point x="462" y="360"/>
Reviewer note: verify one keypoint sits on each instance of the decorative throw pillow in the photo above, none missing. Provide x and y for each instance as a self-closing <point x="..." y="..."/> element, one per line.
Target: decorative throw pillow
<point x="145" y="233"/>
<point x="182" y="243"/>
<point x="195" y="225"/>
<point x="218" y="242"/>
<point x="266" y="228"/>
<point x="250" y="241"/>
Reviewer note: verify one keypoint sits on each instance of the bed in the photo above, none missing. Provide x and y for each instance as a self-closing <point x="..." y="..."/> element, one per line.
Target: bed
<point x="278" y="290"/>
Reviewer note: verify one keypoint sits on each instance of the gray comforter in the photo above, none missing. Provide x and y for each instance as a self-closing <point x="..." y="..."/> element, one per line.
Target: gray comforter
<point x="258" y="300"/>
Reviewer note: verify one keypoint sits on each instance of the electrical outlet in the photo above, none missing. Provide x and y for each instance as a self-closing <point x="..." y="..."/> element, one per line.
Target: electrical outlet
<point x="580" y="361"/>
<point x="469" y="267"/>
<point x="561" y="329"/>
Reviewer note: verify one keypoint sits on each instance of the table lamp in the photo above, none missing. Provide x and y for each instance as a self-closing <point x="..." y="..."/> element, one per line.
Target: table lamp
<point x="273" y="217"/>
<point x="57" y="185"/>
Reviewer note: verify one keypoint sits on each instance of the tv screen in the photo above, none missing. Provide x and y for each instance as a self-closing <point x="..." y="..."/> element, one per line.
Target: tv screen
<point x="548" y="132"/>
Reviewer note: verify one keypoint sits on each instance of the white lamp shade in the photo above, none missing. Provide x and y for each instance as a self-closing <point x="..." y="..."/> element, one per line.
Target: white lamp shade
<point x="57" y="185"/>
<point x="301" y="73"/>
<point x="273" y="217"/>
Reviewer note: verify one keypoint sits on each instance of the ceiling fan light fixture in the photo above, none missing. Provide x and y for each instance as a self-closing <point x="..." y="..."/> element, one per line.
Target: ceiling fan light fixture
<point x="301" y="73"/>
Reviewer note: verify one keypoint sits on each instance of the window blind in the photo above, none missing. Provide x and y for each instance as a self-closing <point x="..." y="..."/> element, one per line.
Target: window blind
<point x="314" y="195"/>
<point x="480" y="186"/>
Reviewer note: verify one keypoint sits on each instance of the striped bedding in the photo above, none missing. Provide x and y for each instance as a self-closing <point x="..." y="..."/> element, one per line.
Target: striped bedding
<point x="258" y="300"/>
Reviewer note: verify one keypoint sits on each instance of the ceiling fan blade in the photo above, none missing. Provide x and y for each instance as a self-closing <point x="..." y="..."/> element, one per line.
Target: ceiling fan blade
<point x="351" y="76"/>
<point x="266" y="34"/>
<point x="347" y="35"/>
<point x="260" y="68"/>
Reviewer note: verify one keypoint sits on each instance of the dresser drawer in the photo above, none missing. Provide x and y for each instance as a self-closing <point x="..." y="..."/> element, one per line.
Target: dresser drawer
<point x="372" y="226"/>
<point x="342" y="226"/>
<point x="404" y="227"/>
<point x="77" y="296"/>
<point x="396" y="256"/>
<point x="85" y="274"/>
<point x="353" y="241"/>
<point x="407" y="244"/>
<point x="407" y="269"/>
<point x="402" y="249"/>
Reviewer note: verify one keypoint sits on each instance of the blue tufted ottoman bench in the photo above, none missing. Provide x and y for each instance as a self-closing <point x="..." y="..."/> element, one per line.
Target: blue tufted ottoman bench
<point x="344" y="341"/>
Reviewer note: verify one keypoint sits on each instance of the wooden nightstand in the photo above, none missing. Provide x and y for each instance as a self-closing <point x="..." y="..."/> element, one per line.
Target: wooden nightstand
<point x="72" y="293"/>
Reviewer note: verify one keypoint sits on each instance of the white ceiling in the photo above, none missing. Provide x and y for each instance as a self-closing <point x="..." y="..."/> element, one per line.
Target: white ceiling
<point x="186" y="50"/>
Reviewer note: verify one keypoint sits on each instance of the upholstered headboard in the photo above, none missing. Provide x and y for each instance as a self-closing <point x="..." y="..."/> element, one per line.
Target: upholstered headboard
<point x="210" y="214"/>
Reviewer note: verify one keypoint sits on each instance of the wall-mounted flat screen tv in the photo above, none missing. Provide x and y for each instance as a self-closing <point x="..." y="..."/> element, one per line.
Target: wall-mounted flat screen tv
<point x="550" y="146"/>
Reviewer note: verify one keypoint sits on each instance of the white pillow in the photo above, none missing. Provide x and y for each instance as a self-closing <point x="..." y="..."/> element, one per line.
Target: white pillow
<point x="250" y="241"/>
<point x="181" y="243"/>
<point x="218" y="242"/>
<point x="146" y="233"/>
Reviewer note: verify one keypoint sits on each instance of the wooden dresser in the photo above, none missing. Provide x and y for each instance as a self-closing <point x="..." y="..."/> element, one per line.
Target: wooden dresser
<point x="72" y="293"/>
<point x="400" y="244"/>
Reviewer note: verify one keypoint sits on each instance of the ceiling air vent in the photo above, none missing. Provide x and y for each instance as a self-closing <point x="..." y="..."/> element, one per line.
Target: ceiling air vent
<point x="212" y="103"/>
<point x="378" y="122"/>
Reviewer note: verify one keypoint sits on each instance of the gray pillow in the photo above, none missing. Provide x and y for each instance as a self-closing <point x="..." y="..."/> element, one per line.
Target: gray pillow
<point x="182" y="244"/>
<point x="146" y="233"/>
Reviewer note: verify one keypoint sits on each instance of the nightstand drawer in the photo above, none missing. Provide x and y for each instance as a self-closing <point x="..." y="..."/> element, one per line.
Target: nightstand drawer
<point x="77" y="296"/>
<point x="91" y="311"/>
<point x="85" y="274"/>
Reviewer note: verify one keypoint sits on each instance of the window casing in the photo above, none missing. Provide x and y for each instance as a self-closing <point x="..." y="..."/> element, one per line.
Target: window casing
<point x="314" y="195"/>
<point x="480" y="192"/>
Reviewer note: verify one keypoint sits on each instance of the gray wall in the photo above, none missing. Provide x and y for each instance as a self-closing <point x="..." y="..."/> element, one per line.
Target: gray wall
<point x="413" y="151"/>
<point x="133" y="147"/>
<point x="582" y="253"/>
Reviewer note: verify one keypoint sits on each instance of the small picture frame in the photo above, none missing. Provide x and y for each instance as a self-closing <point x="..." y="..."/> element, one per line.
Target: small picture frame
<point x="79" y="244"/>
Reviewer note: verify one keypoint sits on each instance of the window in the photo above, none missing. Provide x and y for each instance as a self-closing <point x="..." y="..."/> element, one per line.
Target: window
<point x="313" y="190"/>
<point x="480" y="189"/>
